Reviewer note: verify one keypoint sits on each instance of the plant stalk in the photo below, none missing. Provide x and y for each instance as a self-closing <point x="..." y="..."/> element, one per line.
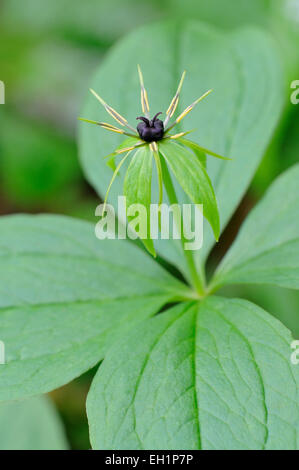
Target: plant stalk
<point x="197" y="279"/>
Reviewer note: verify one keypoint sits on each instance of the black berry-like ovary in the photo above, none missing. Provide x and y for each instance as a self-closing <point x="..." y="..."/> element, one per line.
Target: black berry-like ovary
<point x="151" y="130"/>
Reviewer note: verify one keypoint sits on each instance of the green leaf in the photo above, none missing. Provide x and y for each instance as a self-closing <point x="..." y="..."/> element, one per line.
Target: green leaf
<point x="280" y="302"/>
<point x="229" y="14"/>
<point x="31" y="425"/>
<point x="64" y="298"/>
<point x="215" y="375"/>
<point x="194" y="180"/>
<point x="267" y="249"/>
<point x="198" y="152"/>
<point x="237" y="120"/>
<point x="128" y="142"/>
<point x="96" y="21"/>
<point x="137" y="189"/>
<point x="201" y="150"/>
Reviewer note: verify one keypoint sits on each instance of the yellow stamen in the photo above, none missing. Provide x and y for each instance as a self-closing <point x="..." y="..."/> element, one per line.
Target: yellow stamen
<point x="108" y="127"/>
<point x="128" y="149"/>
<point x="120" y="119"/>
<point x="177" y="136"/>
<point x="110" y="110"/>
<point x="189" y="108"/>
<point x="144" y="97"/>
<point x="111" y="128"/>
<point x="173" y="105"/>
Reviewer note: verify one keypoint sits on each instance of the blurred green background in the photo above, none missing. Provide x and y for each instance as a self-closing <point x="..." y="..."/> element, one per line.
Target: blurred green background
<point x="48" y="52"/>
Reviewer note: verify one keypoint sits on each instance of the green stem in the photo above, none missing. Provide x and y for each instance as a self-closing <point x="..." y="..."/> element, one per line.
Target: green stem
<point x="197" y="278"/>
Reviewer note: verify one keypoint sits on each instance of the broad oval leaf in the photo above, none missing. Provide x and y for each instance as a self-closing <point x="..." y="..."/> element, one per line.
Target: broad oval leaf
<point x="267" y="249"/>
<point x="193" y="178"/>
<point x="64" y="298"/>
<point x="236" y="120"/>
<point x="199" y="377"/>
<point x="31" y="425"/>
<point x="229" y="14"/>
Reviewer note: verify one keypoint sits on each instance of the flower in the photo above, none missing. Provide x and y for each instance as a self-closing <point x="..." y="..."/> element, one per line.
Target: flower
<point x="155" y="138"/>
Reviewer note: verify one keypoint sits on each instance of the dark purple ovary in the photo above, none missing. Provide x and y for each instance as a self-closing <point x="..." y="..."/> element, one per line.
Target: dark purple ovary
<point x="151" y="131"/>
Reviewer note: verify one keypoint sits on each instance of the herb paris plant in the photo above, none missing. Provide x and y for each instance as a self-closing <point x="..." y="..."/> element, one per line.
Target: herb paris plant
<point x="157" y="142"/>
<point x="213" y="373"/>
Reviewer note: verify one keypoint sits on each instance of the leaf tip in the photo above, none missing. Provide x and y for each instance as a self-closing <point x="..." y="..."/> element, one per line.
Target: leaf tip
<point x="216" y="231"/>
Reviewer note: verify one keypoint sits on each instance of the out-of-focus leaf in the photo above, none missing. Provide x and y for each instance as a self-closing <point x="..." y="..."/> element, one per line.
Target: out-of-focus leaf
<point x="289" y="152"/>
<point x="267" y="248"/>
<point x="36" y="165"/>
<point x="280" y="302"/>
<point x="228" y="14"/>
<point x="31" y="425"/>
<point x="283" y="22"/>
<point x="95" y="19"/>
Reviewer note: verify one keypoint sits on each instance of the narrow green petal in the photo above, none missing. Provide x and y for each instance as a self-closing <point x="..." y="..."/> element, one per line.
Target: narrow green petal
<point x="111" y="163"/>
<point x="122" y="149"/>
<point x="175" y="100"/>
<point x="197" y="151"/>
<point x="118" y="117"/>
<point x="137" y="190"/>
<point x="194" y="180"/>
<point x="108" y="127"/>
<point x="113" y="178"/>
<point x="188" y="109"/>
<point x="195" y="146"/>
